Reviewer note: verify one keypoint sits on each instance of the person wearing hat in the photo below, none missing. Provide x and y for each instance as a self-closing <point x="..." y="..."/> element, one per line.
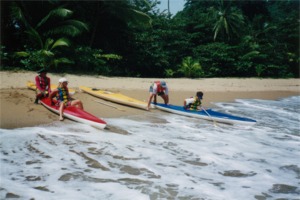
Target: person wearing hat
<point x="193" y="103"/>
<point x="42" y="83"/>
<point x="63" y="98"/>
<point x="159" y="88"/>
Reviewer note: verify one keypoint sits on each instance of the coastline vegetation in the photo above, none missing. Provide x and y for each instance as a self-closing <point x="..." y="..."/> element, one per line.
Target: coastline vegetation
<point x="133" y="38"/>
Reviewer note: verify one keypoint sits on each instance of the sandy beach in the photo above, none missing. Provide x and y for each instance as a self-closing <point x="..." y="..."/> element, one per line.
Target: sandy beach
<point x="18" y="110"/>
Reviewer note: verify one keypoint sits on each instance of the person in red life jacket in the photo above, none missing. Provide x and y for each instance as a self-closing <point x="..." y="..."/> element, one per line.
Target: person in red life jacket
<point x="193" y="103"/>
<point x="159" y="88"/>
<point x="42" y="83"/>
<point x="63" y="98"/>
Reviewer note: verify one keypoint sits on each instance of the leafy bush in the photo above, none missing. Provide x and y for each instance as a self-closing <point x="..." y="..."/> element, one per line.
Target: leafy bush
<point x="190" y="68"/>
<point x="93" y="61"/>
<point x="169" y="73"/>
<point x="35" y="59"/>
<point x="218" y="59"/>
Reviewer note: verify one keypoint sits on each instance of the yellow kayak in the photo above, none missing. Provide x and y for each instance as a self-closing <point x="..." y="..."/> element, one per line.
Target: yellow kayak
<point x="115" y="97"/>
<point x="32" y="86"/>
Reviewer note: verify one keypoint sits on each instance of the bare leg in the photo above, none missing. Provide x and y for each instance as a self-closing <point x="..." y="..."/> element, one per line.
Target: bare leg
<point x="38" y="96"/>
<point x="77" y="103"/>
<point x="61" y="109"/>
<point x="154" y="100"/>
<point x="165" y="98"/>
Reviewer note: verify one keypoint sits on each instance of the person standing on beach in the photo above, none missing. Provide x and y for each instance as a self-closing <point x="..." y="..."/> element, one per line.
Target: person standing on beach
<point x="42" y="83"/>
<point x="193" y="103"/>
<point x="159" y="88"/>
<point x="63" y="97"/>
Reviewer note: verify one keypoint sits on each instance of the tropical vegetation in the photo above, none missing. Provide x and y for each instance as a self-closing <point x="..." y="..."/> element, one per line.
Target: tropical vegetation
<point x="208" y="38"/>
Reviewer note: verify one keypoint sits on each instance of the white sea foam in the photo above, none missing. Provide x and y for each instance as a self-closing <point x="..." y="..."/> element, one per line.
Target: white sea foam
<point x="163" y="156"/>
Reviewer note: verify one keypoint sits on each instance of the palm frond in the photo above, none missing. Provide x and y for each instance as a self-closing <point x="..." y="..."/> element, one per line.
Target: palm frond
<point x="70" y="28"/>
<point x="79" y="24"/>
<point x="22" y="54"/>
<point x="48" y="43"/>
<point x="250" y="55"/>
<point x="228" y="19"/>
<point x="35" y="36"/>
<point x="141" y="18"/>
<point x="136" y="17"/>
<point x="47" y="53"/>
<point x="17" y="13"/>
<point x="58" y="12"/>
<point x="61" y="42"/>
<point x="58" y="61"/>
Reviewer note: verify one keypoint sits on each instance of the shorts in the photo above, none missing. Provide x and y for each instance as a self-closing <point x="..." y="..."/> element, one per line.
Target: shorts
<point x="151" y="89"/>
<point x="160" y="93"/>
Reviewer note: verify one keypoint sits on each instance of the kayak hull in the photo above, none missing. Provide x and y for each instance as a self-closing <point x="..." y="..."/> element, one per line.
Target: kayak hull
<point x="75" y="114"/>
<point x="210" y="114"/>
<point x="115" y="97"/>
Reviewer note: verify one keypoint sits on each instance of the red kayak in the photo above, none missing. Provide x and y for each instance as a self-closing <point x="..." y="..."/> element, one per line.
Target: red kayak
<point x="76" y="114"/>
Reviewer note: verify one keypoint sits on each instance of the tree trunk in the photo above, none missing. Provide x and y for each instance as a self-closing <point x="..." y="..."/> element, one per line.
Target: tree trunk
<point x="95" y="27"/>
<point x="169" y="7"/>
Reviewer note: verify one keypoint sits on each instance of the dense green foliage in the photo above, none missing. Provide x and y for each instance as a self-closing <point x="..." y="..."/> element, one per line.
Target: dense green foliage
<point x="212" y="38"/>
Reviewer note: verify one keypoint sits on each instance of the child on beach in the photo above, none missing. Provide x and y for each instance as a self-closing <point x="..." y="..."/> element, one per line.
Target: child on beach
<point x="159" y="88"/>
<point x="42" y="83"/>
<point x="193" y="103"/>
<point x="63" y="97"/>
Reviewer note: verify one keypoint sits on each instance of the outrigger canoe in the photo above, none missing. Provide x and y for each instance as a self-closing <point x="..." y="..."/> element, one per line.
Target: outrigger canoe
<point x="207" y="114"/>
<point x="76" y="114"/>
<point x="115" y="97"/>
<point x="32" y="86"/>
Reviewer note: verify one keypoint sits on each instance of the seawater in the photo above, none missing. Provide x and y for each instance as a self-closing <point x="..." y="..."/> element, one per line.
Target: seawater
<point x="158" y="156"/>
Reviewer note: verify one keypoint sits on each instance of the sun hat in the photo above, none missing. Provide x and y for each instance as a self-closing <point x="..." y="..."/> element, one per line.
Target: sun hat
<point x="163" y="84"/>
<point x="62" y="80"/>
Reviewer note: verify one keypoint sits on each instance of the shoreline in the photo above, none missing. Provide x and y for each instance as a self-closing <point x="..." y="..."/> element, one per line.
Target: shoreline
<point x="18" y="110"/>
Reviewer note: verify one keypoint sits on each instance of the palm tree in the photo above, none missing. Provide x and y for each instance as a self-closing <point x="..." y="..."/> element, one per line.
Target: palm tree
<point x="228" y="20"/>
<point x="120" y="13"/>
<point x="44" y="40"/>
<point x="190" y="68"/>
<point x="169" y="8"/>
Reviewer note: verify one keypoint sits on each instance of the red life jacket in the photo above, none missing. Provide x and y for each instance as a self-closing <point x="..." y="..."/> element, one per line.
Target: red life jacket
<point x="159" y="88"/>
<point x="44" y="83"/>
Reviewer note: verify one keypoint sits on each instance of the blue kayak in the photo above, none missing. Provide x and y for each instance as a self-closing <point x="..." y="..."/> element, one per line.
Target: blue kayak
<point x="207" y="114"/>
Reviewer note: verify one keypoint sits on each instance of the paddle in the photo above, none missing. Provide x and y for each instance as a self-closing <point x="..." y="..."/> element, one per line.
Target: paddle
<point x="110" y="105"/>
<point x="215" y="123"/>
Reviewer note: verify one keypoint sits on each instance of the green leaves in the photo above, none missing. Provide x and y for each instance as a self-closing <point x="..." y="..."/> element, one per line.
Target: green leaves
<point x="190" y="68"/>
<point x="69" y="28"/>
<point x="58" y="12"/>
<point x="60" y="42"/>
<point x="48" y="35"/>
<point x="229" y="38"/>
<point x="250" y="55"/>
<point x="22" y="54"/>
<point x="229" y="21"/>
<point x="139" y="18"/>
